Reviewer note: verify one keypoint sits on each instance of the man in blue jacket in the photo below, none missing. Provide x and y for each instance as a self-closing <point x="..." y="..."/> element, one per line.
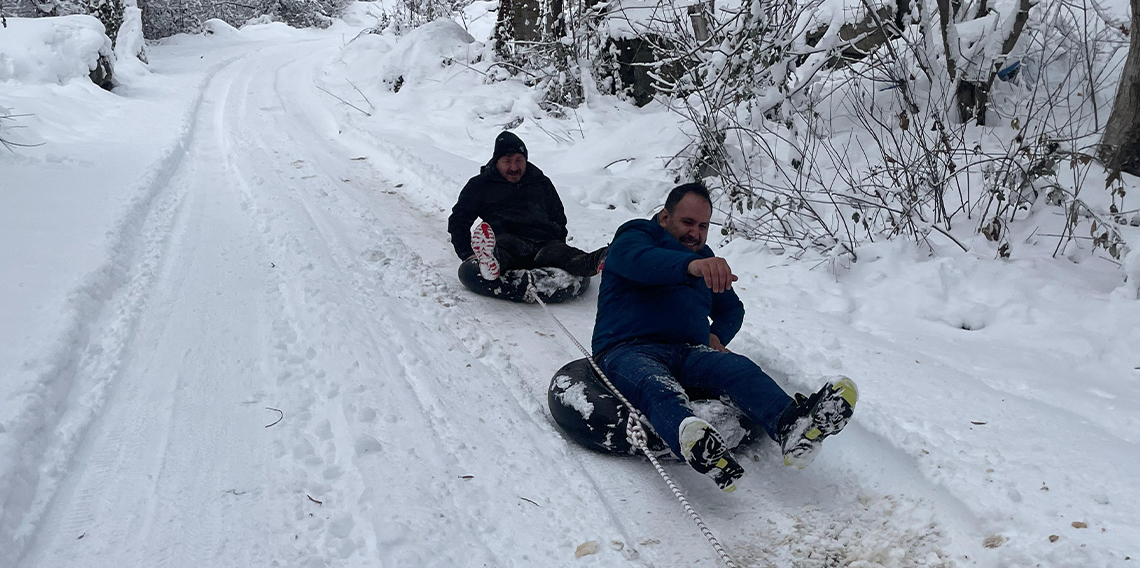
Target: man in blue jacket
<point x="660" y="287"/>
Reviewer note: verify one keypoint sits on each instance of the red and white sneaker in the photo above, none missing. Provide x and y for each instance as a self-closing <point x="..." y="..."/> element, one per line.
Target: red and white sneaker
<point x="483" y="243"/>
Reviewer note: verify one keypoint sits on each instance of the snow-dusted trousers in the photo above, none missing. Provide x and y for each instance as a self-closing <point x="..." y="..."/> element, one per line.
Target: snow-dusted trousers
<point x="655" y="376"/>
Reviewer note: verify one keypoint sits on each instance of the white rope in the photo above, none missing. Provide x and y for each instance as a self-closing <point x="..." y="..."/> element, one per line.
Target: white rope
<point x="636" y="434"/>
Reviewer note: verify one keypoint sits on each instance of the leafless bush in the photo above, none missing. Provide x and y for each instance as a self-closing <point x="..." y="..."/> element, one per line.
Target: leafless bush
<point x="811" y="147"/>
<point x="8" y="122"/>
<point x="551" y="45"/>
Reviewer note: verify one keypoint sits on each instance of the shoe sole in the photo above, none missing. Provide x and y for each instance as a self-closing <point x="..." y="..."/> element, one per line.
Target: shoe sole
<point x="483" y="243"/>
<point x="829" y="417"/>
<point x="720" y="469"/>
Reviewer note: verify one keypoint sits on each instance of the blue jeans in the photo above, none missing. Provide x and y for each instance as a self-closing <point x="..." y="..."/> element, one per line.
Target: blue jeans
<point x="654" y="376"/>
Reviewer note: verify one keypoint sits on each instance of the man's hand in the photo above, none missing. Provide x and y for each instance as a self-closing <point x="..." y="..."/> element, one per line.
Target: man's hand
<point x="718" y="276"/>
<point x="715" y="343"/>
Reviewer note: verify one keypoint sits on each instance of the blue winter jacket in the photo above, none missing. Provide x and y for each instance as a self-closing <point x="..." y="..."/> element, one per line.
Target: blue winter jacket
<point x="647" y="294"/>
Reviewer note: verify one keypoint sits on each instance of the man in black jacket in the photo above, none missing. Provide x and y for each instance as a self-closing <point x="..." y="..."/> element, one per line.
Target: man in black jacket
<point x="524" y="224"/>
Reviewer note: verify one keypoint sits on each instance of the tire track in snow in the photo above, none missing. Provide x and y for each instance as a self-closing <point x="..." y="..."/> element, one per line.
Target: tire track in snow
<point x="343" y="237"/>
<point x="71" y="384"/>
<point x="116" y="478"/>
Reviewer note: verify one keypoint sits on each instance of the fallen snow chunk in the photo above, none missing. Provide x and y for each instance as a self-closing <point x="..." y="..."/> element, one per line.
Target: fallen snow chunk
<point x="574" y="396"/>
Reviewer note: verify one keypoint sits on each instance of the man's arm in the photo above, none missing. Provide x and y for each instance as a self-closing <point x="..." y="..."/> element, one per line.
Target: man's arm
<point x="727" y="316"/>
<point x="462" y="216"/>
<point x="635" y="255"/>
<point x="554" y="208"/>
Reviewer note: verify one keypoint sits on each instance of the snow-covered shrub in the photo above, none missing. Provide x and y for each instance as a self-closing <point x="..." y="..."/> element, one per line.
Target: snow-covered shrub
<point x="9" y="137"/>
<point x="55" y="50"/>
<point x="307" y="13"/>
<point x="552" y="45"/>
<point x="380" y="62"/>
<point x="130" y="47"/>
<point x="110" y="12"/>
<point x="220" y="28"/>
<point x="411" y="14"/>
<point x="815" y="137"/>
<point x="163" y="18"/>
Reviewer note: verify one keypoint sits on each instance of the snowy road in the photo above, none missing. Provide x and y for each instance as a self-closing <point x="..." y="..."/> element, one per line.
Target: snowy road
<point x="274" y="265"/>
<point x="256" y="282"/>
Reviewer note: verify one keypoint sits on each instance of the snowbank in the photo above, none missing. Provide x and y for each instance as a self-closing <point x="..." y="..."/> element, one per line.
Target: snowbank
<point x="378" y="60"/>
<point x="52" y="50"/>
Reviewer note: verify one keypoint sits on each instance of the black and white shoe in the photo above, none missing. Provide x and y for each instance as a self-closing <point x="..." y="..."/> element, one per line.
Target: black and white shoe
<point x="809" y="420"/>
<point x="705" y="451"/>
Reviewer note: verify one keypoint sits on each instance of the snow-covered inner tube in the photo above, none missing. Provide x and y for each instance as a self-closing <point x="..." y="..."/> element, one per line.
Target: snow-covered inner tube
<point x="552" y="284"/>
<point x="589" y="413"/>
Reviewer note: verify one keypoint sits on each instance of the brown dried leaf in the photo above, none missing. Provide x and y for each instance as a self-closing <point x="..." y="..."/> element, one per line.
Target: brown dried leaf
<point x="1054" y="537"/>
<point x="586" y="548"/>
<point x="1080" y="525"/>
<point x="993" y="541"/>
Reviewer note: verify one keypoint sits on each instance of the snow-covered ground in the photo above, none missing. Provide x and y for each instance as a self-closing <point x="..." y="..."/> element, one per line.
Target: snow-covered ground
<point x="233" y="336"/>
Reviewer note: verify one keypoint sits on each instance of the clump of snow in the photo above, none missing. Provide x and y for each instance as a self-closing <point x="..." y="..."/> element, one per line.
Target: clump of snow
<point x="263" y="19"/>
<point x="216" y="27"/>
<point x="52" y="50"/>
<point x="1130" y="290"/>
<point x="548" y="281"/>
<point x="724" y="417"/>
<point x="574" y="395"/>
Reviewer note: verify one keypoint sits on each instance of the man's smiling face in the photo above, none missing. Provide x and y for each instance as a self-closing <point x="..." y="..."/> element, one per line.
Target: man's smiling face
<point x="689" y="221"/>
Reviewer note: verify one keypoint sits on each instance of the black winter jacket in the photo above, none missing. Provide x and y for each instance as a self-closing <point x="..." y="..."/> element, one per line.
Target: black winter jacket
<point x="529" y="209"/>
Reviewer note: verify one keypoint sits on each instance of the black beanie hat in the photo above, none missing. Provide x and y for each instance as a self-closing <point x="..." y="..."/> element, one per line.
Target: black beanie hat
<point x="507" y="144"/>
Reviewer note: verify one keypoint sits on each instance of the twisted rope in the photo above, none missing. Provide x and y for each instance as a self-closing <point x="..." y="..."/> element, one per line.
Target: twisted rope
<point x="636" y="434"/>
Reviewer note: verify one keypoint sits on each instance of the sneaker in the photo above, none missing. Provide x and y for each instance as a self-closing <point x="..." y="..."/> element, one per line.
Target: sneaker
<point x="809" y="420"/>
<point x="483" y="243"/>
<point x="705" y="451"/>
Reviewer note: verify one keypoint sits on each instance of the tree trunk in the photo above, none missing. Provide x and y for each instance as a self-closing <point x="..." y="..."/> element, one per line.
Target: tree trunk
<point x="1120" y="148"/>
<point x="518" y="21"/>
<point x="973" y="97"/>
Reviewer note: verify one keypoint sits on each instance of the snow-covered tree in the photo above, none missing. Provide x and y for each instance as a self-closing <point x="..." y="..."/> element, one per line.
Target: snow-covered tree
<point x="162" y="18"/>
